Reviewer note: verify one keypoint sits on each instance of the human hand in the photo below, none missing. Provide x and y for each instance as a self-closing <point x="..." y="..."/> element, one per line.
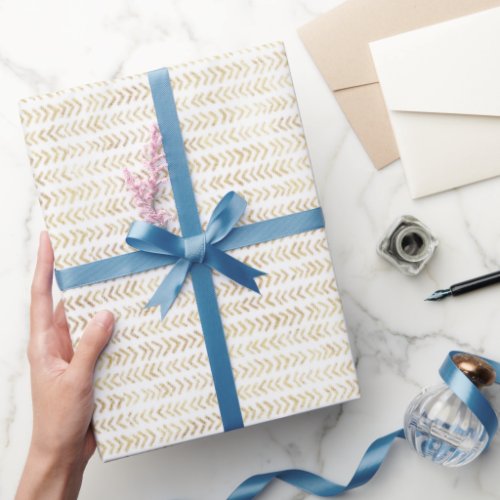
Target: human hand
<point x="62" y="390"/>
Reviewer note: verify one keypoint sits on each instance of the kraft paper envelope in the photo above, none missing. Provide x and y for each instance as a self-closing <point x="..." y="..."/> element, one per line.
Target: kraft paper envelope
<point x="442" y="88"/>
<point x="338" y="43"/>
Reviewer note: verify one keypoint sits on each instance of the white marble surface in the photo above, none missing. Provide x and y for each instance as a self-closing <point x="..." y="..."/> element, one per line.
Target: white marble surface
<point x="399" y="341"/>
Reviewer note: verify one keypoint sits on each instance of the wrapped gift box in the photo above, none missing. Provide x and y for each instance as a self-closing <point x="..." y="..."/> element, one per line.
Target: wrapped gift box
<point x="288" y="347"/>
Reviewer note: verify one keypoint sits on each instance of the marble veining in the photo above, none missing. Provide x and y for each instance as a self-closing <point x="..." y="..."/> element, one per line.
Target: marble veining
<point x="398" y="339"/>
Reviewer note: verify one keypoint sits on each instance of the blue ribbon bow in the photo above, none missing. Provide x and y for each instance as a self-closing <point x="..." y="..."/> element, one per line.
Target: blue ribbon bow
<point x="194" y="249"/>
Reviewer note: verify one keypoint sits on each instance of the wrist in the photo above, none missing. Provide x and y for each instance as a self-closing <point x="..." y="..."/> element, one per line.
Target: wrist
<point x="50" y="475"/>
<point x="57" y="458"/>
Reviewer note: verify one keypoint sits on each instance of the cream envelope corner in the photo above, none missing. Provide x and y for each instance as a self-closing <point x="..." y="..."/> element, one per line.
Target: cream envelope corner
<point x="441" y="86"/>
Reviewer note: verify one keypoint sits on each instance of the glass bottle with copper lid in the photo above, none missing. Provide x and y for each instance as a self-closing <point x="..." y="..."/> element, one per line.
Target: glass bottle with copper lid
<point x="440" y="427"/>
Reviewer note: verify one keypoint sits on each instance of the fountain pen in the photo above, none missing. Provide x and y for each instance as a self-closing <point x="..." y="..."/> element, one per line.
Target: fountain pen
<point x="466" y="286"/>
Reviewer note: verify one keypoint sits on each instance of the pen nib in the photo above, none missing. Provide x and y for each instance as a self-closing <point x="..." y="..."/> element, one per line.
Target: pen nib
<point x="439" y="294"/>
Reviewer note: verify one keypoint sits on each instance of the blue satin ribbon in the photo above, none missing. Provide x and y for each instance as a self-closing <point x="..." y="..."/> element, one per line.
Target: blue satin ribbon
<point x="317" y="485"/>
<point x="139" y="262"/>
<point x="377" y="451"/>
<point x="196" y="251"/>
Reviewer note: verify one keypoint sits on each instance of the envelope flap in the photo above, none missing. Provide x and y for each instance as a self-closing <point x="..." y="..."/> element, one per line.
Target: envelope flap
<point x="451" y="67"/>
<point x="338" y="40"/>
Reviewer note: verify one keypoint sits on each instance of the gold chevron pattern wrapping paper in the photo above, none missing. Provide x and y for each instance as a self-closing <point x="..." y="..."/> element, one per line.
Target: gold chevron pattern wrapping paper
<point x="242" y="131"/>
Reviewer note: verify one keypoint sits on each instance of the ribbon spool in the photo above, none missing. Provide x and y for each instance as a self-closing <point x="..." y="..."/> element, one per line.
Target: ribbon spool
<point x="463" y="375"/>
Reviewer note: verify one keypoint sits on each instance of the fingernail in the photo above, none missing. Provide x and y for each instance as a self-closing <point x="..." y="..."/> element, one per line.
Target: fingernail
<point x="105" y="319"/>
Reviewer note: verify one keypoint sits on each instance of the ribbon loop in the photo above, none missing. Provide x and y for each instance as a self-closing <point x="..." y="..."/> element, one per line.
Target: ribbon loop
<point x="148" y="238"/>
<point x="225" y="216"/>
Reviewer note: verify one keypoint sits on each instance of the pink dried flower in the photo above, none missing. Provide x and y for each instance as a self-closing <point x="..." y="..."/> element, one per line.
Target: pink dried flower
<point x="144" y="190"/>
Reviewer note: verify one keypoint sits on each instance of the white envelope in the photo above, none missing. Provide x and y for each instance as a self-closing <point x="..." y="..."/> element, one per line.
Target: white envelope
<point x="441" y="85"/>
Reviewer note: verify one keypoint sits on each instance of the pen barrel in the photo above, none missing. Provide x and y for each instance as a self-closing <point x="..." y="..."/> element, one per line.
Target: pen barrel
<point x="475" y="283"/>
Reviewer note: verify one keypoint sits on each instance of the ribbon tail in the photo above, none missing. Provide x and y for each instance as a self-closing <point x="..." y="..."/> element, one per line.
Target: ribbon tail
<point x="232" y="268"/>
<point x="170" y="287"/>
<point x="317" y="485"/>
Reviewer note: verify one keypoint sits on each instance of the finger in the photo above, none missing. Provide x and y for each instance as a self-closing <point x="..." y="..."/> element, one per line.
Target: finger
<point x="60" y="316"/>
<point x="62" y="345"/>
<point x="94" y="339"/>
<point x="41" y="287"/>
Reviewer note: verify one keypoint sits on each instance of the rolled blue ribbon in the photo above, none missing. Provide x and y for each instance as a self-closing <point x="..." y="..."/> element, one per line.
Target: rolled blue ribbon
<point x="376" y="453"/>
<point x="317" y="485"/>
<point x="197" y="249"/>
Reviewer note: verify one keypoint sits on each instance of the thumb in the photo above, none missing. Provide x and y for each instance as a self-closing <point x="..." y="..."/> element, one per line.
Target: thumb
<point x="95" y="337"/>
